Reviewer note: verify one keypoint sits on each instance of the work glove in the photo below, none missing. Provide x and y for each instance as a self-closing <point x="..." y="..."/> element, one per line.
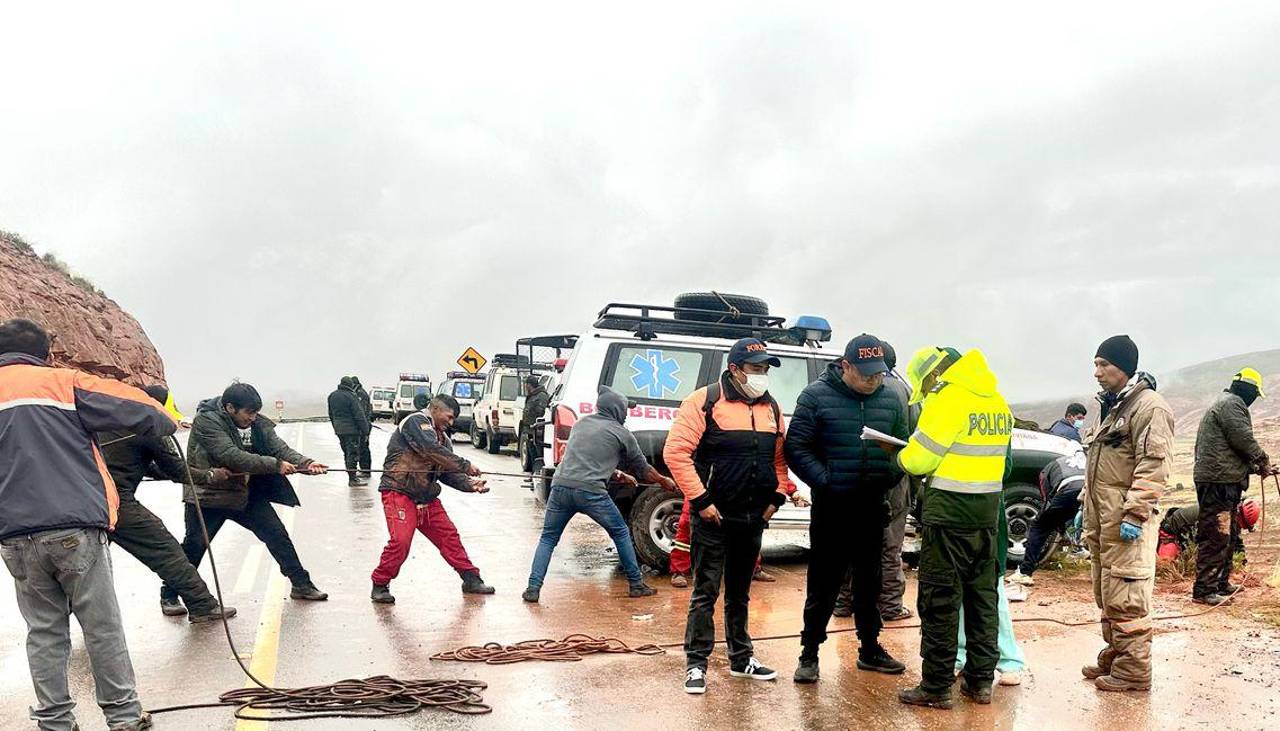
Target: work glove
<point x="1130" y="532"/>
<point x="1077" y="524"/>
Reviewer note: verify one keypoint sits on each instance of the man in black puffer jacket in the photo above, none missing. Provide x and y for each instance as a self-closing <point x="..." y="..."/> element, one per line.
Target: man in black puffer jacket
<point x="850" y="479"/>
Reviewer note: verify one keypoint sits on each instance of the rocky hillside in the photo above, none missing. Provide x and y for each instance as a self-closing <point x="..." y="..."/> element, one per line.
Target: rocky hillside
<point x="1189" y="391"/>
<point x="90" y="331"/>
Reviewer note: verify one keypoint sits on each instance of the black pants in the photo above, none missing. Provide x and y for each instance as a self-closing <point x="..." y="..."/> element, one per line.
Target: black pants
<point x="727" y="553"/>
<point x="1060" y="511"/>
<point x="846" y="536"/>
<point x="146" y="538"/>
<point x="365" y="458"/>
<point x="350" y="444"/>
<point x="958" y="568"/>
<point x="257" y="517"/>
<point x="1216" y="532"/>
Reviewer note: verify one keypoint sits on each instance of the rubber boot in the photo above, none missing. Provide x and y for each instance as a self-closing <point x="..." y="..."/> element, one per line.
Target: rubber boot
<point x="381" y="595"/>
<point x="978" y="693"/>
<point x="473" y="584"/>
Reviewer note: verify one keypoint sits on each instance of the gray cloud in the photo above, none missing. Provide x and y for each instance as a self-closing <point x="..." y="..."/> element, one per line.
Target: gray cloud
<point x="286" y="195"/>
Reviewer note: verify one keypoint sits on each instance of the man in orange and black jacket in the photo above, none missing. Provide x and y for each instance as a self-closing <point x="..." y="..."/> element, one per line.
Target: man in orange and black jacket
<point x="725" y="452"/>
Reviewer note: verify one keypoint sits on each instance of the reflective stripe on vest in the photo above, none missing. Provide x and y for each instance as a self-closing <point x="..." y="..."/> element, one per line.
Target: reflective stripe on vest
<point x="972" y="488"/>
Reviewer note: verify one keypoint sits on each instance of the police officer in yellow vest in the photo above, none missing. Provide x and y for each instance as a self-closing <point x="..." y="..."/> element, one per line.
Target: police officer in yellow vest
<point x="962" y="444"/>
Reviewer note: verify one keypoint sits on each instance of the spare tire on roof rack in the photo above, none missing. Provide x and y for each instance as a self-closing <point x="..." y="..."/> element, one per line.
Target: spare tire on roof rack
<point x="734" y="307"/>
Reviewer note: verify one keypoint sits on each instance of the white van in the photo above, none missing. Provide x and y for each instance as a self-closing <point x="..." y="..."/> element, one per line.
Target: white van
<point x="383" y="399"/>
<point x="467" y="389"/>
<point x="409" y="386"/>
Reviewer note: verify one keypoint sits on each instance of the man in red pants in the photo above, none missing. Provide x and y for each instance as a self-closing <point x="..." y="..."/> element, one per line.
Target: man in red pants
<point x="681" y="561"/>
<point x="419" y="457"/>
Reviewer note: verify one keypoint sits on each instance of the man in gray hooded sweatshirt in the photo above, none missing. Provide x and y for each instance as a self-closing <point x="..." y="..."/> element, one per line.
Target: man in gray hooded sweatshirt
<point x="597" y="445"/>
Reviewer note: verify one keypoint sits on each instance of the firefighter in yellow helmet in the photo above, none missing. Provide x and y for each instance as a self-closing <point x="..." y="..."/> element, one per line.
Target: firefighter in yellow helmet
<point x="1129" y="453"/>
<point x="962" y="444"/>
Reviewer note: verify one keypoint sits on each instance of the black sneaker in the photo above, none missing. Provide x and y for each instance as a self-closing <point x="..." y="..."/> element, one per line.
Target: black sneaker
<point x="918" y="696"/>
<point x="213" y="614"/>
<point x="901" y="614"/>
<point x="979" y="693"/>
<point x="473" y="584"/>
<point x="381" y="595"/>
<point x="307" y="592"/>
<point x="531" y="595"/>
<point x="1228" y="589"/>
<point x="695" y="681"/>
<point x="754" y="671"/>
<point x="807" y="672"/>
<point x="842" y="610"/>
<point x="875" y="658"/>
<point x="641" y="589"/>
<point x="172" y="607"/>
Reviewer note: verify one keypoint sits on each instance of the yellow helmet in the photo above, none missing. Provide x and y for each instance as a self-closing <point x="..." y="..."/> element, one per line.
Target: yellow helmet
<point x="924" y="362"/>
<point x="1250" y="375"/>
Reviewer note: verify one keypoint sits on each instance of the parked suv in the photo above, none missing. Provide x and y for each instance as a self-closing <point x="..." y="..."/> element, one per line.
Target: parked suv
<point x="409" y="385"/>
<point x="657" y="356"/>
<point x="494" y="416"/>
<point x="383" y="399"/>
<point x="467" y="389"/>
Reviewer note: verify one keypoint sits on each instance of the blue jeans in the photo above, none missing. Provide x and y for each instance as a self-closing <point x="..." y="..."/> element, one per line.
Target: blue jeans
<point x="566" y="502"/>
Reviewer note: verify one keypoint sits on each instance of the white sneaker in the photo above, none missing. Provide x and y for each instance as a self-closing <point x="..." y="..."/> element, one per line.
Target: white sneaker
<point x="1010" y="678"/>
<point x="754" y="670"/>
<point x="1017" y="577"/>
<point x="695" y="681"/>
<point x="1015" y="592"/>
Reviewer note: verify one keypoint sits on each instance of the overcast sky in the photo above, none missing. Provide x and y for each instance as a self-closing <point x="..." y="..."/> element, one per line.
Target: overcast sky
<point x="285" y="193"/>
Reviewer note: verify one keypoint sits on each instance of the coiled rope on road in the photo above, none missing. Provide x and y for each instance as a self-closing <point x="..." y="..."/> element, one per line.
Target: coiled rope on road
<point x="380" y="696"/>
<point x="570" y="649"/>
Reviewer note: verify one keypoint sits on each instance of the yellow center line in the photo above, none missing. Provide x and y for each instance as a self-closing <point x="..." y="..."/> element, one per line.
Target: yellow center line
<point x="267" y="644"/>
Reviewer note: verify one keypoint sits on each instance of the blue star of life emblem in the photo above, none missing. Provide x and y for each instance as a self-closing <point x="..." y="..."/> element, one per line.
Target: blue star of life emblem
<point x="654" y="374"/>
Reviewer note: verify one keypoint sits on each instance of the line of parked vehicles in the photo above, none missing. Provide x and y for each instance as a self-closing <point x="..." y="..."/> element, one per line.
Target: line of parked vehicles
<point x="657" y="355"/>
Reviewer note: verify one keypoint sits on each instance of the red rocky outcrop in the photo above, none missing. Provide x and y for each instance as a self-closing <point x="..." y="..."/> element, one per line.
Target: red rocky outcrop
<point x="90" y="331"/>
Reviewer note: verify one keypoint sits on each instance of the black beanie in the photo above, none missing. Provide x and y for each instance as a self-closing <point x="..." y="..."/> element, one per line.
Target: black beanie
<point x="890" y="355"/>
<point x="1121" y="352"/>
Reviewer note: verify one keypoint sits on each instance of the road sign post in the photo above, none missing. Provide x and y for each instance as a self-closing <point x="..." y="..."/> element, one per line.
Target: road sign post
<point x="472" y="361"/>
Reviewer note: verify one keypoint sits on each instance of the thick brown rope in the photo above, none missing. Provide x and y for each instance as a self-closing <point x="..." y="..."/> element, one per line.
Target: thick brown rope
<point x="571" y="649"/>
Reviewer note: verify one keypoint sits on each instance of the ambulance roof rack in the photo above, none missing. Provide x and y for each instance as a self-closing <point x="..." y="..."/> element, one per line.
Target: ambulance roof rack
<point x="648" y="321"/>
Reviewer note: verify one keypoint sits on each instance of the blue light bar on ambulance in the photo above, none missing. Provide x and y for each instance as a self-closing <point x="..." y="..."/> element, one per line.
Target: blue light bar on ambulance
<point x="811" y="328"/>
<point x="415" y="377"/>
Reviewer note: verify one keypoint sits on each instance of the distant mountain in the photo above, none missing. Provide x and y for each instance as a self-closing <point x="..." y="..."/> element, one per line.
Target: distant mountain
<point x="1189" y="391"/>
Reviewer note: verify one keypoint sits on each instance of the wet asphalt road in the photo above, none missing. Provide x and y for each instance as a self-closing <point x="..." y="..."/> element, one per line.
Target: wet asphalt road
<point x="1208" y="675"/>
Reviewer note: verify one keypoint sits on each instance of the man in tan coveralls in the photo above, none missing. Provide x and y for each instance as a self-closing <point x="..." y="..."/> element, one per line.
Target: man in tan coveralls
<point x="1128" y="466"/>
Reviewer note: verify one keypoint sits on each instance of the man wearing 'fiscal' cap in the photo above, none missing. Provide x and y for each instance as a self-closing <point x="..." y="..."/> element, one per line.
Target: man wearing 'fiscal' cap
<point x="725" y="452"/>
<point x="1226" y="454"/>
<point x="1128" y="467"/>
<point x="850" y="480"/>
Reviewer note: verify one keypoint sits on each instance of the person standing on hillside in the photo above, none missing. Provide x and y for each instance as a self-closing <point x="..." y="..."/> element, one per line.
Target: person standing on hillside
<point x="350" y="423"/>
<point x="1128" y="469"/>
<point x="1069" y="426"/>
<point x="1226" y="454"/>
<point x="58" y="504"/>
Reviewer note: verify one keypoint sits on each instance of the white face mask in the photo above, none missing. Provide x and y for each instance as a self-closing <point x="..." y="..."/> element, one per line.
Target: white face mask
<point x="756" y="386"/>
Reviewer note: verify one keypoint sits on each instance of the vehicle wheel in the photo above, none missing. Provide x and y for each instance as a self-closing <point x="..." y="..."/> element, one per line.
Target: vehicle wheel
<point x="717" y="302"/>
<point x="477" y="436"/>
<point x="653" y="520"/>
<point x="1021" y="506"/>
<point x="495" y="443"/>
<point x="541" y="482"/>
<point x="524" y="452"/>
